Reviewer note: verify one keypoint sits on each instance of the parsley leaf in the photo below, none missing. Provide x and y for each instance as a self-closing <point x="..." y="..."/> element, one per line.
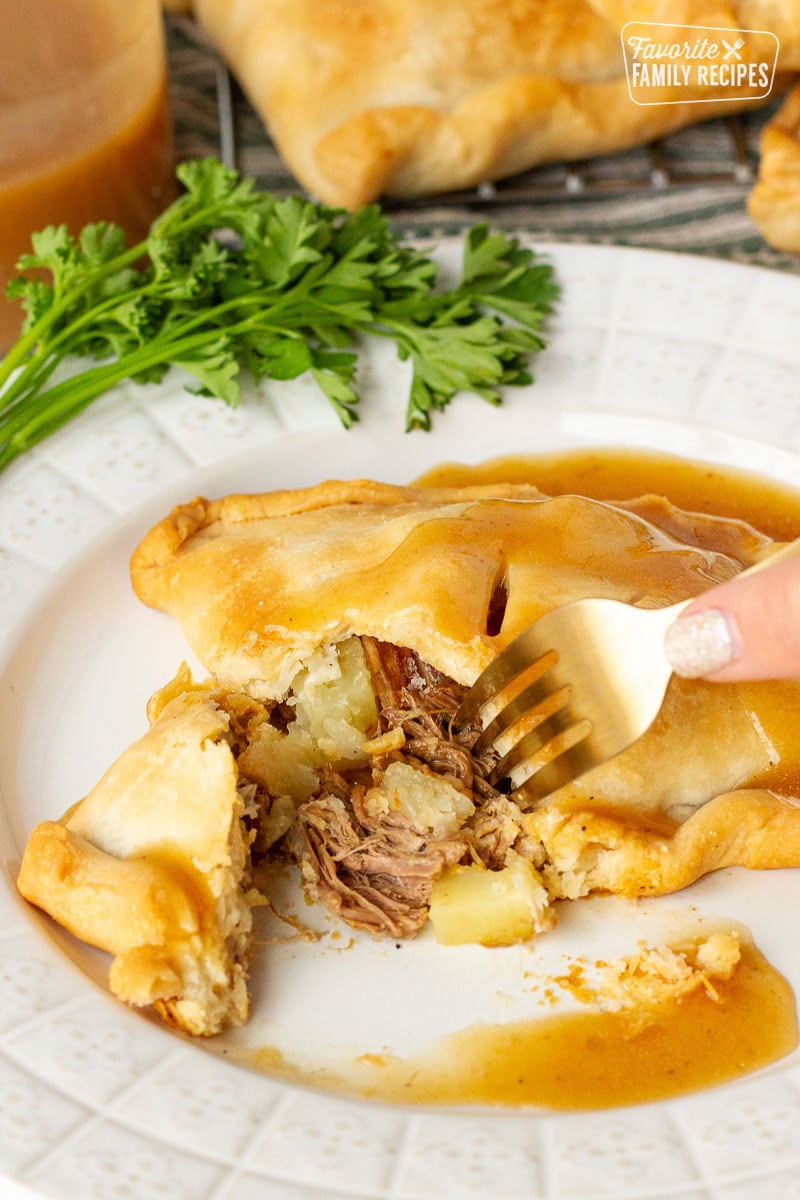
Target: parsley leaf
<point x="231" y="279"/>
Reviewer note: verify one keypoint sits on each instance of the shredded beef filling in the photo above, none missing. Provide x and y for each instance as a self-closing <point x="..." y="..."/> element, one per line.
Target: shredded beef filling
<point x="415" y="697"/>
<point x="376" y="875"/>
<point x="377" y="872"/>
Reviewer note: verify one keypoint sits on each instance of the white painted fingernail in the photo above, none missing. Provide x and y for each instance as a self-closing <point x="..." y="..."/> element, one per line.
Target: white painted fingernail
<point x="702" y="643"/>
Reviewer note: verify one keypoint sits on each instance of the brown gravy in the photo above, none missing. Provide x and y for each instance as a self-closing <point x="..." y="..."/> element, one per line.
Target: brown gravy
<point x="95" y="143"/>
<point x="591" y="1060"/>
<point x="583" y="1060"/>
<point x="621" y="474"/>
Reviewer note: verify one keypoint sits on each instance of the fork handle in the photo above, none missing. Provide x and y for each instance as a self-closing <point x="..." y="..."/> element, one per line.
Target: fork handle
<point x="788" y="550"/>
<point x="783" y="553"/>
<point x="690" y="667"/>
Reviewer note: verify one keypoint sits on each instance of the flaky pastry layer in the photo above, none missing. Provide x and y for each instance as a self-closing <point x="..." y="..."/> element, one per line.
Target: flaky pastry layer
<point x="150" y="866"/>
<point x="774" y="202"/>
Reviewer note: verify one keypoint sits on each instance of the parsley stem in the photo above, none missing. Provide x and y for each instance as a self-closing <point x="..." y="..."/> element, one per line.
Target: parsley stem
<point x="166" y="223"/>
<point x="23" y="430"/>
<point x="20" y="431"/>
<point x="29" y="339"/>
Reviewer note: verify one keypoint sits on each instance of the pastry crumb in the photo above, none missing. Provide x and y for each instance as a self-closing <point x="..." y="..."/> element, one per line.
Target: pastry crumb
<point x="653" y="975"/>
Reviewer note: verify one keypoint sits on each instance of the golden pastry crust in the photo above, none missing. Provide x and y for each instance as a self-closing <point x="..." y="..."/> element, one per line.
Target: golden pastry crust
<point x="259" y="582"/>
<point x="150" y="867"/>
<point x="589" y="850"/>
<point x="775" y="17"/>
<point x="412" y="97"/>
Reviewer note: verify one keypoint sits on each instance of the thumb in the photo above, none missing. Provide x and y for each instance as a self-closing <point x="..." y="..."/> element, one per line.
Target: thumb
<point x="743" y="629"/>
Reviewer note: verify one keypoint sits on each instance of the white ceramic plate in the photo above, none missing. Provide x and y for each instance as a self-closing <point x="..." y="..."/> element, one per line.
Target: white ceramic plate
<point x="685" y="355"/>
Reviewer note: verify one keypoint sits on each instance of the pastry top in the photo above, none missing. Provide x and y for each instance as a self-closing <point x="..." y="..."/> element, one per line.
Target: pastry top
<point x="259" y="582"/>
<point x="411" y="97"/>
<point x="149" y="866"/>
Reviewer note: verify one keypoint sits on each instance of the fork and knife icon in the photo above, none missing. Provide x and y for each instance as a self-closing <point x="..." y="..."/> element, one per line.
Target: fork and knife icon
<point x="732" y="50"/>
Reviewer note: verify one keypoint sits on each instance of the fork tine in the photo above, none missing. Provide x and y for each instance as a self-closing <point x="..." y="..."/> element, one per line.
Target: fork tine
<point x="564" y="769"/>
<point x="535" y="703"/>
<point x="552" y="737"/>
<point x="575" y="689"/>
<point x="519" y="656"/>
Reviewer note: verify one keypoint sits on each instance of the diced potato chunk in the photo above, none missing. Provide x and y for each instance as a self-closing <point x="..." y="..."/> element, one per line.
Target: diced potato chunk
<point x="431" y="804"/>
<point x="281" y="765"/>
<point x="277" y="821"/>
<point x="491" y="908"/>
<point x="335" y="702"/>
<point x="334" y="710"/>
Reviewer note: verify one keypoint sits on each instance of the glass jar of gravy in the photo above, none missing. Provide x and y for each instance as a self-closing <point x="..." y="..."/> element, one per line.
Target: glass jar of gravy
<point x="85" y="130"/>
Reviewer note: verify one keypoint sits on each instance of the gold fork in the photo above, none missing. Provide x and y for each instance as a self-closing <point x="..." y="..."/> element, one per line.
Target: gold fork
<point x="593" y="675"/>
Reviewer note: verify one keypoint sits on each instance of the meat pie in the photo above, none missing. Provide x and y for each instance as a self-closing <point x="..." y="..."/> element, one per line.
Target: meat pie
<point x="340" y="626"/>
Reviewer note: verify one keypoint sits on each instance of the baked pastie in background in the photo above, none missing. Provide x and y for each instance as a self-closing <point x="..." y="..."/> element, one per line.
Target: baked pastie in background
<point x="404" y="98"/>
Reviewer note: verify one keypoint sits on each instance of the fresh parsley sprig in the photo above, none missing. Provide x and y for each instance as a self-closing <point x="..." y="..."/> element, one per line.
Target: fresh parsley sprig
<point x="232" y="279"/>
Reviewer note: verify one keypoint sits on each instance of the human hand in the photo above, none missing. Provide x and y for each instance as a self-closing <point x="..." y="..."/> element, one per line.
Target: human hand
<point x="746" y="628"/>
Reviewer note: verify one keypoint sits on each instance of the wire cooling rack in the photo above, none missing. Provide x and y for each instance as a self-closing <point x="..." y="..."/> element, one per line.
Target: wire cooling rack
<point x="655" y="167"/>
<point x="215" y="117"/>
